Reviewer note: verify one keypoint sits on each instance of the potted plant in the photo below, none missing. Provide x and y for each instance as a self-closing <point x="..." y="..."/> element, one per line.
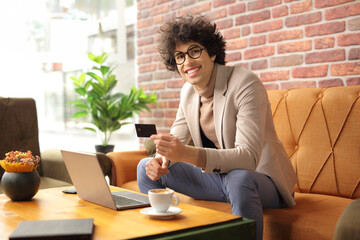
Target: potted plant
<point x="105" y="110"/>
<point x="20" y="181"/>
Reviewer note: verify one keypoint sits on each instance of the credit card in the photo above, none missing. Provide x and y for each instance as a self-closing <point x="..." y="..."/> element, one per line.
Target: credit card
<point x="145" y="130"/>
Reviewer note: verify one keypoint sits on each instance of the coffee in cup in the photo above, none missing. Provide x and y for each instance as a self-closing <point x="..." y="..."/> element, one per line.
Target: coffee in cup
<point x="161" y="199"/>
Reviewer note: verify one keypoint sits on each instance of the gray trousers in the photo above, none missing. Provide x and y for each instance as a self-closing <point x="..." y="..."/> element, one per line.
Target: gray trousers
<point x="247" y="191"/>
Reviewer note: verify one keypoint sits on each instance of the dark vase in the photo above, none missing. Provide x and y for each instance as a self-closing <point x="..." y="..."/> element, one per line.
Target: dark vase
<point x="20" y="186"/>
<point x="104" y="149"/>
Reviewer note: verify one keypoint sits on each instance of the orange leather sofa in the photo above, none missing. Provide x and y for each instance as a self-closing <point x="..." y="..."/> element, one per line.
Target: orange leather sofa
<point x="320" y="129"/>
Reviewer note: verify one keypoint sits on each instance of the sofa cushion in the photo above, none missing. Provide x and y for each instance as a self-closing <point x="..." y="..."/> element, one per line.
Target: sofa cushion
<point x="313" y="217"/>
<point x="320" y="131"/>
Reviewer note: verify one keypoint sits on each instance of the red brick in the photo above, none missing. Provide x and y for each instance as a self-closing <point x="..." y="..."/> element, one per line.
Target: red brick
<point x="271" y="86"/>
<point x="156" y="86"/>
<point x="298" y="84"/>
<point x="188" y="2"/>
<point x="170" y="113"/>
<point x="222" y="24"/>
<point x="143" y="86"/>
<point x="310" y="72"/>
<point x="259" y="52"/>
<point x="353" y="81"/>
<point x="145" y="4"/>
<point x="343" y="69"/>
<point x="245" y="31"/>
<point x="300" y="46"/>
<point x="268" y="26"/>
<point x="201" y="8"/>
<point x="145" y="78"/>
<point x="280" y="11"/>
<point x="174" y="83"/>
<point x="158" y="113"/>
<point x="143" y="14"/>
<point x="348" y="39"/>
<point x="173" y="104"/>
<point x="354" y="24"/>
<point x="158" y="19"/>
<point x="256" y="5"/>
<point x="231" y="34"/>
<point x="151" y="49"/>
<point x="258" y="40"/>
<point x="156" y="57"/>
<point x="145" y="41"/>
<point x="285" y="61"/>
<point x="285" y="35"/>
<point x="219" y="3"/>
<point x="145" y="59"/>
<point x="259" y="64"/>
<point x="300" y="7"/>
<point x="148" y="31"/>
<point x="243" y="64"/>
<point x="169" y="94"/>
<point x="147" y="68"/>
<point x="177" y="5"/>
<point x="253" y="17"/>
<point x="324" y="29"/>
<point x="236" y="44"/>
<point x="303" y="19"/>
<point x="237" y="8"/>
<point x="325" y="56"/>
<point x="337" y="82"/>
<point x="221" y="13"/>
<point x="161" y="66"/>
<point x="275" y="75"/>
<point x="161" y="104"/>
<point x="354" y="54"/>
<point x="144" y="114"/>
<point x="326" y="42"/>
<point x="161" y="75"/>
<point x="330" y="3"/>
<point x="232" y="57"/>
<point x="144" y="23"/>
<point x="342" y="11"/>
<point x="165" y="8"/>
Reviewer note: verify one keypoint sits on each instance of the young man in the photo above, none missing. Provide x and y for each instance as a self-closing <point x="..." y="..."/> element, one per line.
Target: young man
<point x="236" y="156"/>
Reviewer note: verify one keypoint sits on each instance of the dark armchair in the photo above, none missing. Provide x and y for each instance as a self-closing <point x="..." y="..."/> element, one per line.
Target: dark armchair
<point x="19" y="131"/>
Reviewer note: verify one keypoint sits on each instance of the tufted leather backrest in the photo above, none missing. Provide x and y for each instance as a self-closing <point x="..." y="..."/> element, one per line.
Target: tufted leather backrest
<point x="320" y="130"/>
<point x="18" y="126"/>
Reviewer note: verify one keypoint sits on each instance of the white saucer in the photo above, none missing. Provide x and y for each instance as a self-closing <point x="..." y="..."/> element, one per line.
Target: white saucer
<point x="165" y="215"/>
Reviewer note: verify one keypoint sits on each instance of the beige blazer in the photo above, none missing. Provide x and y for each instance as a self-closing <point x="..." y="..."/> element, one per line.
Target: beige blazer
<point x="244" y="128"/>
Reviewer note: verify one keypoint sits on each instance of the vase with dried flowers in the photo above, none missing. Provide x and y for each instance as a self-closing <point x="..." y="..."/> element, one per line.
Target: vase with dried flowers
<point x="20" y="181"/>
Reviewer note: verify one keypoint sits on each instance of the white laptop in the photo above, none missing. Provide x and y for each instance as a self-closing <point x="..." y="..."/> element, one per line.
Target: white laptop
<point x="90" y="184"/>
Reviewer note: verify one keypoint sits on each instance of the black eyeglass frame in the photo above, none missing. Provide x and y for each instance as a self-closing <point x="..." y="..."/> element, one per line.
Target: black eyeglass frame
<point x="187" y="52"/>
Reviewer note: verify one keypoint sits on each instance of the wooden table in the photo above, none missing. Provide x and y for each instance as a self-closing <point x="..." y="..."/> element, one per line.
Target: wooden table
<point x="110" y="224"/>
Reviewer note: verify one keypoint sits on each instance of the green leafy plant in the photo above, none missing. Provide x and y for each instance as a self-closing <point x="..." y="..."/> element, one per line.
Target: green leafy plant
<point x="107" y="112"/>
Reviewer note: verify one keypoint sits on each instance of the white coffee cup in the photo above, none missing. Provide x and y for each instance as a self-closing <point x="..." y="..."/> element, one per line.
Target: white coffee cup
<point x="161" y="199"/>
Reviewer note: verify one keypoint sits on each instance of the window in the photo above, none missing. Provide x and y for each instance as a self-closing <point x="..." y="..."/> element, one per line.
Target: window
<point x="43" y="43"/>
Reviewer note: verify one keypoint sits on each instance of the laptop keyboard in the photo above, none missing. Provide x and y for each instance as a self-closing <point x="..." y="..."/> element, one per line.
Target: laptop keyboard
<point x="125" y="198"/>
<point x="123" y="201"/>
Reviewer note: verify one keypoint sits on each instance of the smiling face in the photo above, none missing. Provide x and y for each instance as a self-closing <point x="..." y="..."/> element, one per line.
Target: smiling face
<point x="197" y="72"/>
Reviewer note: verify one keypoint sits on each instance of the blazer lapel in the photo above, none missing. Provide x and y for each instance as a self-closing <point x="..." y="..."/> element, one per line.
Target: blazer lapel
<point x="223" y="73"/>
<point x="193" y="107"/>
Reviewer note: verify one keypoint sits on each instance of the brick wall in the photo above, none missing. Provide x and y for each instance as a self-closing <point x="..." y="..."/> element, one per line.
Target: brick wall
<point x="287" y="43"/>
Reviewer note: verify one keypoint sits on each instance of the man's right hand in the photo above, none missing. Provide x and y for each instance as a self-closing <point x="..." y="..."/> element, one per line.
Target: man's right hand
<point x="156" y="167"/>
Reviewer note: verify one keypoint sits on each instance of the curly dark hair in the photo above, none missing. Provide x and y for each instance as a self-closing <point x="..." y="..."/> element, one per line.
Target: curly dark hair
<point x="186" y="29"/>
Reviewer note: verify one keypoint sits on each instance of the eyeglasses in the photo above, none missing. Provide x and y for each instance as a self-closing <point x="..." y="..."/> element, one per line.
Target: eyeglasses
<point x="194" y="52"/>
